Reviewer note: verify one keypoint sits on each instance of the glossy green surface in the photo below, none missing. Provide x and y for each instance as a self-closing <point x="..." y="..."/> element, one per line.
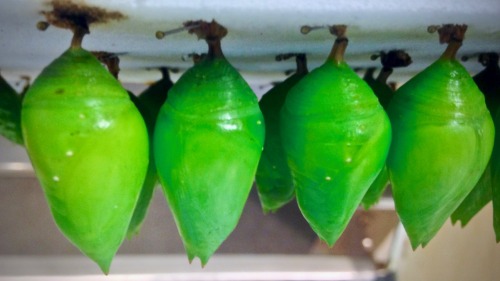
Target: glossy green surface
<point x="336" y="137"/>
<point x="148" y="103"/>
<point x="10" y="113"/>
<point x="384" y="94"/>
<point x="475" y="200"/>
<point x="151" y="179"/>
<point x="442" y="141"/>
<point x="376" y="189"/>
<point x="208" y="140"/>
<point x="273" y="178"/>
<point x="488" y="81"/>
<point x="88" y="145"/>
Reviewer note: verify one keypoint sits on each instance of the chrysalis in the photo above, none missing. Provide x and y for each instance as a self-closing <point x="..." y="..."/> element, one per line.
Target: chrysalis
<point x="149" y="103"/>
<point x="488" y="81"/>
<point x="89" y="147"/>
<point x="384" y="93"/>
<point x="208" y="140"/>
<point x="148" y="112"/>
<point x="336" y="137"/>
<point x="442" y="141"/>
<point x="273" y="178"/>
<point x="10" y="113"/>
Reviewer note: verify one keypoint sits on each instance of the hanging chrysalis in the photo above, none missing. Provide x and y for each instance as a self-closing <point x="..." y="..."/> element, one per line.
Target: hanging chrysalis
<point x="442" y="141"/>
<point x="208" y="140"/>
<point x="156" y="94"/>
<point x="273" y="178"/>
<point x="488" y="81"/>
<point x="87" y="142"/>
<point x="336" y="137"/>
<point x="112" y="62"/>
<point x="10" y="113"/>
<point x="390" y="60"/>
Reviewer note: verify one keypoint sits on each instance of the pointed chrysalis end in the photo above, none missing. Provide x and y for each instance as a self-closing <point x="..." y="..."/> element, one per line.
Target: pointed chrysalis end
<point x="190" y="258"/>
<point x="204" y="261"/>
<point x="367" y="206"/>
<point x="104" y="265"/>
<point x="463" y="223"/>
<point x="270" y="208"/>
<point x="329" y="242"/>
<point x="415" y="245"/>
<point x="131" y="233"/>
<point x="202" y="254"/>
<point x="329" y="239"/>
<point x="497" y="233"/>
<point x="454" y="220"/>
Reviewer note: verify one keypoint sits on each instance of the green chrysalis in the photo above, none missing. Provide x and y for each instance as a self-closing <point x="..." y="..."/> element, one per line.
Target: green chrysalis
<point x="10" y="113"/>
<point x="488" y="81"/>
<point x="384" y="93"/>
<point x="89" y="147"/>
<point x="208" y="140"/>
<point x="336" y="137"/>
<point x="273" y="178"/>
<point x="442" y="141"/>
